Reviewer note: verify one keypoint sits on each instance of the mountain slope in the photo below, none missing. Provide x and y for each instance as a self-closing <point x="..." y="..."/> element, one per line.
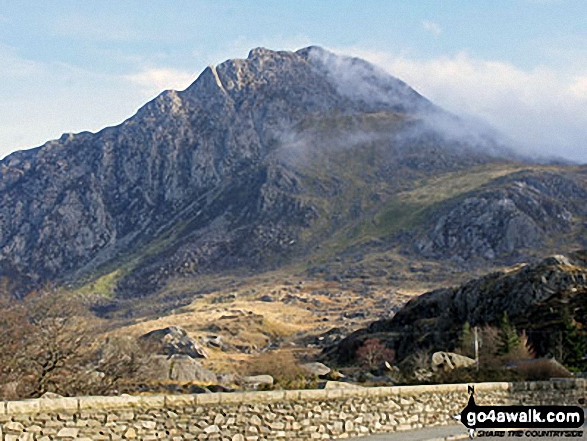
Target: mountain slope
<point x="538" y="298"/>
<point x="257" y="164"/>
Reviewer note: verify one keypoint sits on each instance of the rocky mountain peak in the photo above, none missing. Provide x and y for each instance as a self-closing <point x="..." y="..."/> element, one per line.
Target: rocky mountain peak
<point x="261" y="52"/>
<point x="200" y="180"/>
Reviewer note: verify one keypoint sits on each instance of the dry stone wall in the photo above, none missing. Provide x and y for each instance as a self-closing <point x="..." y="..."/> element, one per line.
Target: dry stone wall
<point x="256" y="416"/>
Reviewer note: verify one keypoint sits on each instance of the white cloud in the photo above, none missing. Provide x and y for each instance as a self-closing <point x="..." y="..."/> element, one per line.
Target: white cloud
<point x="156" y="80"/>
<point x="543" y="110"/>
<point x="432" y="27"/>
<point x="578" y="87"/>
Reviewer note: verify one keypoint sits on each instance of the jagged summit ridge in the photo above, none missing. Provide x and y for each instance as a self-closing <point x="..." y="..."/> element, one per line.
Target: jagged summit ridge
<point x="355" y="81"/>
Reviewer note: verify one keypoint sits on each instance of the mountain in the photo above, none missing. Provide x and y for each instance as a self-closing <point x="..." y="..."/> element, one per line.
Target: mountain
<point x="301" y="160"/>
<point x="540" y="298"/>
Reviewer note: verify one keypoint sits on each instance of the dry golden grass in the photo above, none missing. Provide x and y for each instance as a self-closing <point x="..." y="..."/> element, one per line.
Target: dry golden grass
<point x="248" y="325"/>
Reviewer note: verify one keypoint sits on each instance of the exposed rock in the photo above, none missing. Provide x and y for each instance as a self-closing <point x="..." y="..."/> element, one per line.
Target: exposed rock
<point x="317" y="369"/>
<point x="51" y="395"/>
<point x="338" y="385"/>
<point x="447" y="361"/>
<point x="257" y="381"/>
<point x="186" y="369"/>
<point x="515" y="213"/>
<point x="173" y="340"/>
<point x="531" y="294"/>
<point x="228" y="379"/>
<point x="180" y="368"/>
<point x="217" y="178"/>
<point x="214" y="341"/>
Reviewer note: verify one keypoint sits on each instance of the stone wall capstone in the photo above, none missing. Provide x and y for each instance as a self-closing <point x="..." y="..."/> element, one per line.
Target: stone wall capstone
<point x="264" y="416"/>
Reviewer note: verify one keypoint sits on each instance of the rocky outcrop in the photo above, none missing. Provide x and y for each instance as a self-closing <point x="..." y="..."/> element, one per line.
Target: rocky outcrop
<point x="192" y="182"/>
<point x="511" y="215"/>
<point x="317" y="369"/>
<point x="256" y="381"/>
<point x="538" y="298"/>
<point x="171" y="341"/>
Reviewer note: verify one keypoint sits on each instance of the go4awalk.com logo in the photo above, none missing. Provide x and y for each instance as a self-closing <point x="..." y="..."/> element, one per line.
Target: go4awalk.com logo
<point x="520" y="420"/>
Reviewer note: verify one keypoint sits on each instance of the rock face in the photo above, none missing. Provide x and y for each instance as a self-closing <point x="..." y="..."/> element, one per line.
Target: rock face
<point x="173" y="341"/>
<point x="195" y="173"/>
<point x="253" y="165"/>
<point x="536" y="297"/>
<point x="519" y="212"/>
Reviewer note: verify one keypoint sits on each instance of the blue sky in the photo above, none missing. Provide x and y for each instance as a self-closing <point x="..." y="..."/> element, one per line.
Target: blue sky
<point x="521" y="65"/>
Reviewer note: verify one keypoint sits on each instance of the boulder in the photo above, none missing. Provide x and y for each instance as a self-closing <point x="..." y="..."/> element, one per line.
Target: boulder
<point x="316" y="369"/>
<point x="180" y="368"/>
<point x="51" y="396"/>
<point x="256" y="381"/>
<point x="447" y="361"/>
<point x="228" y="379"/>
<point x="214" y="341"/>
<point x="156" y="367"/>
<point x="338" y="385"/>
<point x="173" y="340"/>
<point x="186" y="370"/>
<point x="335" y="376"/>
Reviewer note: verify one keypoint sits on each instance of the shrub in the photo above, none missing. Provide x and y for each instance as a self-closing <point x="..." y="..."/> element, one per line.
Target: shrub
<point x="541" y="369"/>
<point x="373" y="352"/>
<point x="283" y="367"/>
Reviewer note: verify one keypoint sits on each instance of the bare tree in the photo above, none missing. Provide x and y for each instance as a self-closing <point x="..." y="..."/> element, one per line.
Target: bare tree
<point x="51" y="343"/>
<point x="373" y="352"/>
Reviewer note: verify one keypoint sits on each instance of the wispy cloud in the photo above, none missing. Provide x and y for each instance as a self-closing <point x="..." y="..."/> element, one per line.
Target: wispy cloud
<point x="432" y="27"/>
<point x="542" y="109"/>
<point x="578" y="88"/>
<point x="155" y="80"/>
